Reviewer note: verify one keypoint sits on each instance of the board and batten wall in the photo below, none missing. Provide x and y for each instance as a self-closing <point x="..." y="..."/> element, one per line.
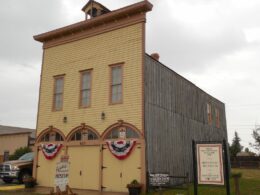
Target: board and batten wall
<point x="175" y="114"/>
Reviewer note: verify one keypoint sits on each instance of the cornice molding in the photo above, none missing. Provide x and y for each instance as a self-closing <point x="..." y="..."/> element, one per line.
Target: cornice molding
<point x="119" y="18"/>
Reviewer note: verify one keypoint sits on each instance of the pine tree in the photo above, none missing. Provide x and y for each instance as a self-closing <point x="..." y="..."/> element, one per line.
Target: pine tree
<point x="256" y="136"/>
<point x="235" y="147"/>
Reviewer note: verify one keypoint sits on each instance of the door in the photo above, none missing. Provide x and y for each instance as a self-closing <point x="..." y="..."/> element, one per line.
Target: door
<point x="84" y="167"/>
<point x="116" y="174"/>
<point x="46" y="169"/>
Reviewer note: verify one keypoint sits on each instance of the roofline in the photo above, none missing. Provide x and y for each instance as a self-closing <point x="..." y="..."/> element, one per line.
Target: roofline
<point x="141" y="7"/>
<point x="16" y="133"/>
<point x="185" y="79"/>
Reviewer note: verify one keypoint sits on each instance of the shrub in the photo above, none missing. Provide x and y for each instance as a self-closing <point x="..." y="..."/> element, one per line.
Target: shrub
<point x="19" y="152"/>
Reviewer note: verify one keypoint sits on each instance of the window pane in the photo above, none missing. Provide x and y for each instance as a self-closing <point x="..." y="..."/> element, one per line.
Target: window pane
<point x="58" y="137"/>
<point x="58" y="101"/>
<point x="131" y="133"/>
<point x="114" y="134"/>
<point x="119" y="91"/>
<point x="59" y="85"/>
<point x="46" y="138"/>
<point x="91" y="135"/>
<point x="86" y="80"/>
<point x="78" y="135"/>
<point x="208" y="108"/>
<point x="116" y="84"/>
<point x="116" y="93"/>
<point x="116" y="75"/>
<point x="58" y="94"/>
<point x="85" y="99"/>
<point x="85" y="88"/>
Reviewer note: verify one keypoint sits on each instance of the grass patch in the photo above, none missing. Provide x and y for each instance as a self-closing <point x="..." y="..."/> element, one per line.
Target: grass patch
<point x="249" y="185"/>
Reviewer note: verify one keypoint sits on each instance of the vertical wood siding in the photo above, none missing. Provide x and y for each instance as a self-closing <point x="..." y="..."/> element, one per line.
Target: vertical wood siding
<point x="176" y="113"/>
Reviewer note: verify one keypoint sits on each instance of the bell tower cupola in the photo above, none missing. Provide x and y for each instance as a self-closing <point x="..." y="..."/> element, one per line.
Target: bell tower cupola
<point x="94" y="9"/>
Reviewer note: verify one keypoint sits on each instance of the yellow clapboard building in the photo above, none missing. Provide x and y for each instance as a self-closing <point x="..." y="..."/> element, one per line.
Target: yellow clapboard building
<point x="117" y="113"/>
<point x="91" y="91"/>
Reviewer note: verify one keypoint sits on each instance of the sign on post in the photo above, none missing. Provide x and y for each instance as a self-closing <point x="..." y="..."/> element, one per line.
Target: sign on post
<point x="62" y="174"/>
<point x="210" y="164"/>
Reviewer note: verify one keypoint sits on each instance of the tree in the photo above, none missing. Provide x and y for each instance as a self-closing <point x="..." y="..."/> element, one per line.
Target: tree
<point x="249" y="152"/>
<point x="235" y="147"/>
<point x="19" y="152"/>
<point x="256" y="136"/>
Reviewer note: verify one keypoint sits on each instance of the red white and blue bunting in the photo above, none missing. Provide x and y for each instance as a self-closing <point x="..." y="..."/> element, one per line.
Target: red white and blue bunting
<point x="50" y="150"/>
<point x="121" y="149"/>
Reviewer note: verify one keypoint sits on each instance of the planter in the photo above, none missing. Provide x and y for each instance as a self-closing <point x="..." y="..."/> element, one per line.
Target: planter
<point x="134" y="190"/>
<point x="29" y="182"/>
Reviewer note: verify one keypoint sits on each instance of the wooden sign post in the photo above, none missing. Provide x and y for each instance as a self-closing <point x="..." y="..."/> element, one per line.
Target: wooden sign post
<point x="209" y="165"/>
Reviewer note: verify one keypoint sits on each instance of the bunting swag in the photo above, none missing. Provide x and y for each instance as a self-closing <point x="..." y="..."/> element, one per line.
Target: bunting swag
<point x="50" y="150"/>
<point x="121" y="149"/>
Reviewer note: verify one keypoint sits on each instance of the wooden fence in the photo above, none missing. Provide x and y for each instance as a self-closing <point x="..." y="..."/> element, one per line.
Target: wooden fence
<point x="252" y="162"/>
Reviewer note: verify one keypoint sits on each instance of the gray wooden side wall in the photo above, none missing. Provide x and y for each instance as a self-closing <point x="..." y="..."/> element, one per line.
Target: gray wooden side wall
<point x="175" y="113"/>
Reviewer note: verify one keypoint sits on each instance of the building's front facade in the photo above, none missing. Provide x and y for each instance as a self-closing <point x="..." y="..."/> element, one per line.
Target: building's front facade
<point x="92" y="93"/>
<point x="91" y="81"/>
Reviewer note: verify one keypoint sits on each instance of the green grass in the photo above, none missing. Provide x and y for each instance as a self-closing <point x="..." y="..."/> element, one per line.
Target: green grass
<point x="249" y="185"/>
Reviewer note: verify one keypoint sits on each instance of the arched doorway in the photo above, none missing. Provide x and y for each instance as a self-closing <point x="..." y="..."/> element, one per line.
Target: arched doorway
<point x="46" y="165"/>
<point x="83" y="150"/>
<point x="119" y="167"/>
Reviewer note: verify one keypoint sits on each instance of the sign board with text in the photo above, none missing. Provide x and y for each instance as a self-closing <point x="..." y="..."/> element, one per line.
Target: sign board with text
<point x="62" y="174"/>
<point x="159" y="179"/>
<point x="210" y="164"/>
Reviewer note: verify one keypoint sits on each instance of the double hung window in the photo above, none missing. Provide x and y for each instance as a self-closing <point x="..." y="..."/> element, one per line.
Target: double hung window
<point x="58" y="93"/>
<point x="85" y="91"/>
<point x="116" y="84"/>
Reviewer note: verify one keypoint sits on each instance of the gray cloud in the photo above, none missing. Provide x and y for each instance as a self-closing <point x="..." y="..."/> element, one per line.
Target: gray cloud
<point x="187" y="47"/>
<point x="20" y="20"/>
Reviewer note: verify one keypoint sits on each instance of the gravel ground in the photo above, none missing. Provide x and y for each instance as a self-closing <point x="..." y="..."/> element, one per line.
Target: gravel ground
<point x="18" y="192"/>
<point x="41" y="191"/>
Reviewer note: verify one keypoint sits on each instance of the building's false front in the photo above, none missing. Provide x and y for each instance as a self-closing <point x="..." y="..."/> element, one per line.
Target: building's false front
<point x="98" y="87"/>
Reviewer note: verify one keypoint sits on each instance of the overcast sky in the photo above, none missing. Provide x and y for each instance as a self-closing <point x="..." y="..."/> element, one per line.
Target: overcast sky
<point x="213" y="43"/>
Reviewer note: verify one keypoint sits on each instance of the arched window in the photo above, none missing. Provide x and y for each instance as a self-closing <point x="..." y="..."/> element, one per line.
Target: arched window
<point x="122" y="132"/>
<point x="51" y="136"/>
<point x="83" y="135"/>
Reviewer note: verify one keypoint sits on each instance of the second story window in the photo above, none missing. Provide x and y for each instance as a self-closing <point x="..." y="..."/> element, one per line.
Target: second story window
<point x="209" y="116"/>
<point x="116" y="84"/>
<point x="85" y="90"/>
<point x="217" y="118"/>
<point x="58" y="93"/>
